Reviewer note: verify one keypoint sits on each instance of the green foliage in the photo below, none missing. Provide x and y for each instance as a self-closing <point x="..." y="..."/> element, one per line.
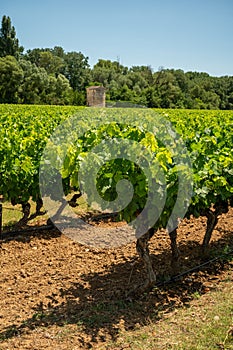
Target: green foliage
<point x="137" y="85"/>
<point x="9" y="44"/>
<point x="11" y="76"/>
<point x="167" y="88"/>
<point x="207" y="135"/>
<point x="76" y="70"/>
<point x="24" y="132"/>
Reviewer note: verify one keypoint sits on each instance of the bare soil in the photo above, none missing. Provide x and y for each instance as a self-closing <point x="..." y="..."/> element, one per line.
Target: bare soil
<point x="59" y="294"/>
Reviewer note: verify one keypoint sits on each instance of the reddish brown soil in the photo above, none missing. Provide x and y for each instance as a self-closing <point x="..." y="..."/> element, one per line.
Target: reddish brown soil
<point x="58" y="294"/>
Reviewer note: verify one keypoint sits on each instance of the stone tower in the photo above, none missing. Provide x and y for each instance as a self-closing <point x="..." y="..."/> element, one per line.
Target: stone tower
<point x="95" y="96"/>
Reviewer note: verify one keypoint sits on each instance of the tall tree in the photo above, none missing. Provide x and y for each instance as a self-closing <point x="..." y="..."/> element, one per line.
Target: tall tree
<point x="38" y="86"/>
<point x="76" y="70"/>
<point x="9" y="44"/>
<point x="11" y="75"/>
<point x="34" y="83"/>
<point x="51" y="63"/>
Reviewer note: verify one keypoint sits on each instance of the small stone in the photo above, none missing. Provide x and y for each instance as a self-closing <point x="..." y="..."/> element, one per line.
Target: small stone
<point x="23" y="273"/>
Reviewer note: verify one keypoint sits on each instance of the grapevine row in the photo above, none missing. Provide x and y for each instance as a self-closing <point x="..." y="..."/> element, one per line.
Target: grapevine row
<point x="207" y="135"/>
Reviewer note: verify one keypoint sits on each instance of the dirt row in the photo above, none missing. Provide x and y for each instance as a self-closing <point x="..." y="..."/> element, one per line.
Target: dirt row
<point x="59" y="294"/>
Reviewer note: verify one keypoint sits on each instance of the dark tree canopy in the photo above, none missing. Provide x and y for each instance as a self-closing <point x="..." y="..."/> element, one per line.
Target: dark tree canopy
<point x="9" y="44"/>
<point x="51" y="75"/>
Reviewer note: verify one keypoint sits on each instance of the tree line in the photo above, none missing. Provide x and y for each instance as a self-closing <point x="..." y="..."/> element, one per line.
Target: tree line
<point x="53" y="76"/>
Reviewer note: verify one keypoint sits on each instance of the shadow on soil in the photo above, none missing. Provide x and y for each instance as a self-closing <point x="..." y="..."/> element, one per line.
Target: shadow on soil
<point x="98" y="305"/>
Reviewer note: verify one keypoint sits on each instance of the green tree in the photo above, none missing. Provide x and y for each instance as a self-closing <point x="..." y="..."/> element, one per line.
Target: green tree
<point x="34" y="83"/>
<point x="11" y="75"/>
<point x="38" y="86"/>
<point x="153" y="100"/>
<point x="9" y="44"/>
<point x="34" y="55"/>
<point x="106" y="71"/>
<point x="58" y="91"/>
<point x="47" y="59"/>
<point x="51" y="63"/>
<point x="168" y="89"/>
<point x="146" y="73"/>
<point x="58" y="51"/>
<point x="76" y="70"/>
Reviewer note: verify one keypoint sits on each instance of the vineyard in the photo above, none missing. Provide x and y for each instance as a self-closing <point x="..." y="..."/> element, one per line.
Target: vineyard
<point x="160" y="171"/>
<point x="190" y="161"/>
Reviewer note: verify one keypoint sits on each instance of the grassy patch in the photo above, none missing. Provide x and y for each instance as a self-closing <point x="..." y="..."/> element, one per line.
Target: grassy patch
<point x="12" y="214"/>
<point x="206" y="324"/>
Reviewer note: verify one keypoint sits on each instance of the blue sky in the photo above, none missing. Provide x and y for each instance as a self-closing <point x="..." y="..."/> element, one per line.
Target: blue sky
<point x="192" y="35"/>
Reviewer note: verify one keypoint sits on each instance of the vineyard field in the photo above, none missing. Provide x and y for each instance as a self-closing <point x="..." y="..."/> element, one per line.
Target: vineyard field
<point x="192" y="157"/>
<point x="57" y="293"/>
